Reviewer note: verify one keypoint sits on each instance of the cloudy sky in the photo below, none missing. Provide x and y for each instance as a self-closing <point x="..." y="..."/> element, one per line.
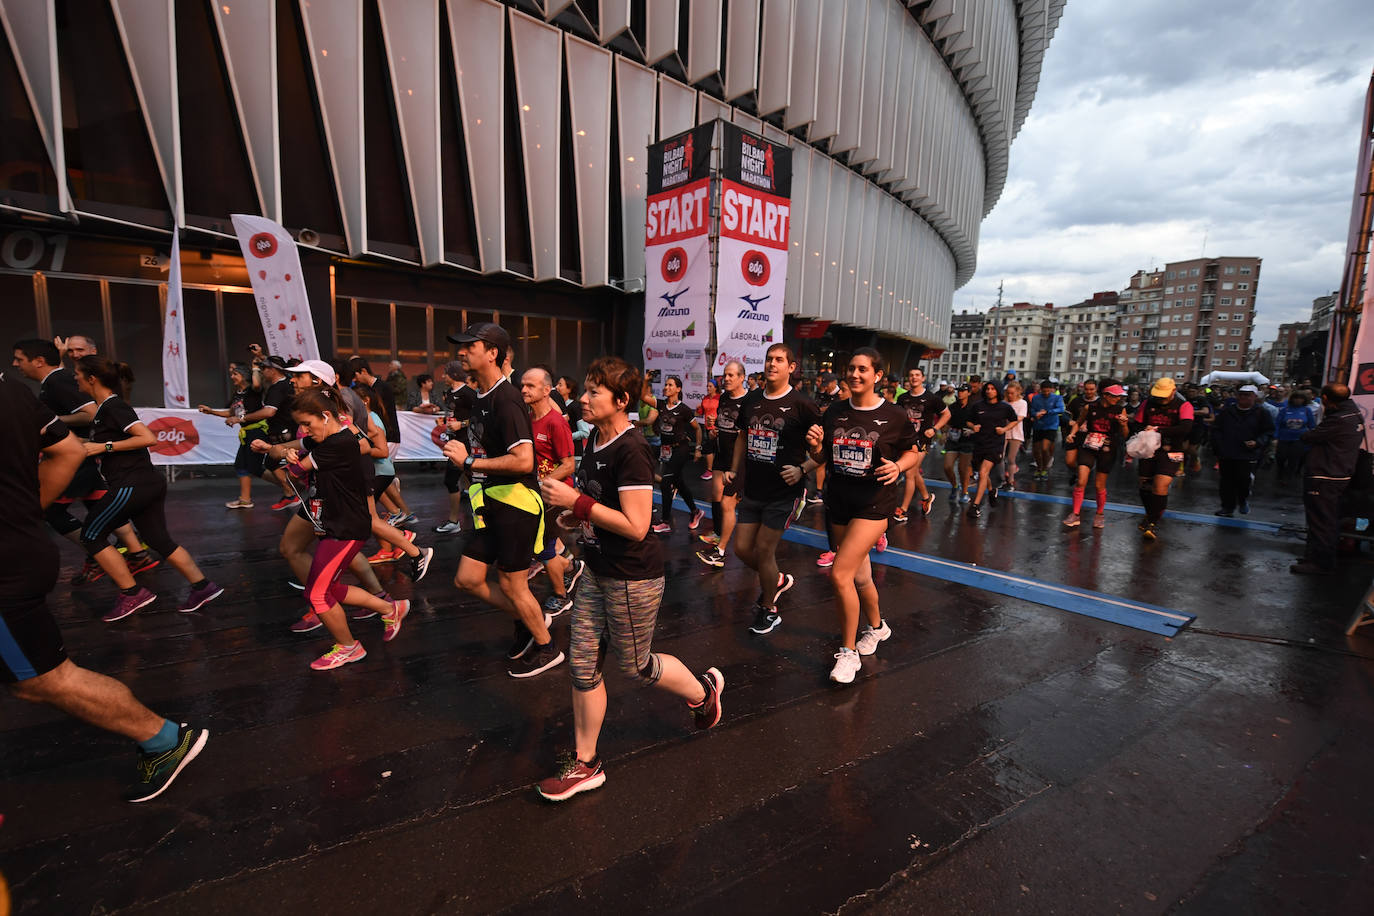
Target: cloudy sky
<point x="1161" y="122"/>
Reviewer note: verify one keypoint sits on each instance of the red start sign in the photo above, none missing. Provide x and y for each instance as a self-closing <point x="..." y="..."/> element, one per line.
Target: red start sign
<point x="175" y="436"/>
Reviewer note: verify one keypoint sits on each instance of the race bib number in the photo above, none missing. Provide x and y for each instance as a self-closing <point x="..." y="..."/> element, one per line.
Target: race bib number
<point x="851" y="456"/>
<point x="1175" y="456"/>
<point x="1094" y="441"/>
<point x="665" y="453"/>
<point x="762" y="444"/>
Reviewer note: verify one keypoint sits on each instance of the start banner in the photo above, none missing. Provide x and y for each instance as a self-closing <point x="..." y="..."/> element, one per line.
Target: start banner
<point x="677" y="259"/>
<point x="755" y="212"/>
<point x="187" y="437"/>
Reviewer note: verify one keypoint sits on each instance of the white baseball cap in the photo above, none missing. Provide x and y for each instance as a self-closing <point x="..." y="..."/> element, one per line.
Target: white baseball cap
<point x="318" y="368"/>
<point x="1250" y="388"/>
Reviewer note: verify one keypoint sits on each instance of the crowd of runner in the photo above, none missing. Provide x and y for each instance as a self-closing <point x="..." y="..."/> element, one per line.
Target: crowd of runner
<point x="555" y="477"/>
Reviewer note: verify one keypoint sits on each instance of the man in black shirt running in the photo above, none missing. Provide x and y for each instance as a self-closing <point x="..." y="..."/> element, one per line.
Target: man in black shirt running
<point x="506" y="507"/>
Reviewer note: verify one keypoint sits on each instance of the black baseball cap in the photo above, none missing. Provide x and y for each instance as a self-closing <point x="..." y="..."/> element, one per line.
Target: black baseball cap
<point x="964" y="387"/>
<point x="276" y="362"/>
<point x="485" y="331"/>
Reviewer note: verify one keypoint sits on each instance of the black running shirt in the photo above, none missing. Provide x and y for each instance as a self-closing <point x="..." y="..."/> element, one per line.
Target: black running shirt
<point x="29" y="427"/>
<point x="673" y="425"/>
<point x="856" y="442"/>
<point x="280" y="426"/>
<point x="922" y="409"/>
<point x="338" y="499"/>
<point x="458" y="402"/>
<point x="500" y="421"/>
<point x="1099" y="426"/>
<point x="727" y="428"/>
<point x="624" y="463"/>
<point x="775" y="436"/>
<point x="113" y="418"/>
<point x="60" y="393"/>
<point x="989" y="416"/>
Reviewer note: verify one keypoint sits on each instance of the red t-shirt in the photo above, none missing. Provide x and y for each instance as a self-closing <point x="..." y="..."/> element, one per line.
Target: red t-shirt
<point x="552" y="442"/>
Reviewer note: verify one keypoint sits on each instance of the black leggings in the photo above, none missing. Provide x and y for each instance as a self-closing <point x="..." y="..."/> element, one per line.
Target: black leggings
<point x="143" y="504"/>
<point x="671" y="478"/>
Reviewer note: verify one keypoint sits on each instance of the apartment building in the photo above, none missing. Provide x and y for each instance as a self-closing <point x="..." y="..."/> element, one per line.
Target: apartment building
<point x="1020" y="337"/>
<point x="1085" y="338"/>
<point x="968" y="350"/>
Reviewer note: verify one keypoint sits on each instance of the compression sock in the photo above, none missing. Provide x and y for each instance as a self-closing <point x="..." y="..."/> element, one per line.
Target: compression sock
<point x="1101" y="501"/>
<point x="164" y="740"/>
<point x="717" y="517"/>
<point x="1077" y="500"/>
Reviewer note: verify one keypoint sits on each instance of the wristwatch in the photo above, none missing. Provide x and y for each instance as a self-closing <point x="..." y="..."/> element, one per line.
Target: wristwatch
<point x="467" y="462"/>
<point x="109" y="446"/>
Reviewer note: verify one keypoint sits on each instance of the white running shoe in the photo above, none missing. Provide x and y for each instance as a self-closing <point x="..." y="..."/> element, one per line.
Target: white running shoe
<point x="869" y="638"/>
<point x="847" y="664"/>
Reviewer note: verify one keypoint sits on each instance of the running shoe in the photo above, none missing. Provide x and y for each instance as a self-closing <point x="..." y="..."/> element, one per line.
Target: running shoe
<point x="826" y="559"/>
<point x="847" y="664"/>
<point x="521" y="640"/>
<point x="386" y="555"/>
<point x="573" y="777"/>
<point x="286" y="502"/>
<point x="1099" y="520"/>
<point x="90" y="572"/>
<point x="662" y="528"/>
<point x="392" y="621"/>
<point x="419" y="564"/>
<point x="141" y="562"/>
<point x="1149" y="532"/>
<point x="557" y="604"/>
<point x="239" y="504"/>
<point x="869" y="638"/>
<point x="406" y="519"/>
<point x="705" y="475"/>
<point x="964" y="497"/>
<point x="766" y="620"/>
<point x="899" y="516"/>
<point x="992" y="495"/>
<point x="954" y="495"/>
<point x="126" y="604"/>
<point x="697" y="516"/>
<point x="448" y="528"/>
<point x="394" y="519"/>
<point x="308" y="624"/>
<point x="712" y="557"/>
<point x="785" y="581"/>
<point x="339" y="656"/>
<point x="711" y="539"/>
<point x="975" y="511"/>
<point x="199" y="597"/>
<point x="297" y="585"/>
<point x="1072" y="520"/>
<point x="155" y="772"/>
<point x="882" y="543"/>
<point x="1244" y="507"/>
<point x="538" y="660"/>
<point x="1005" y="487"/>
<point x="1224" y="513"/>
<point x="707" y="712"/>
<point x="928" y="503"/>
<point x="815" y="499"/>
<point x="574" y="572"/>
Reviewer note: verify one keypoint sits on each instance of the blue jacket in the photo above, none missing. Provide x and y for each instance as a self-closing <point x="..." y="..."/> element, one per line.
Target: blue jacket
<point x="1292" y="422"/>
<point x="1053" y="405"/>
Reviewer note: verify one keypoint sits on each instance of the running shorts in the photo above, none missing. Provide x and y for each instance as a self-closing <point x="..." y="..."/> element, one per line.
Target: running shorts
<point x="777" y="515"/>
<point x="30" y="642"/>
<point x="506" y="538"/>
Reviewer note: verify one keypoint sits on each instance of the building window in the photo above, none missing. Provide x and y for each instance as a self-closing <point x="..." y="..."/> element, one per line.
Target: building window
<point x="1240" y="300"/>
<point x="1193" y="273"/>
<point x="1221" y="317"/>
<point x="1238" y="316"/>
<point x="1245" y="271"/>
<point x="1230" y="362"/>
<point x="1225" y="300"/>
<point x="1218" y="346"/>
<point x="1192" y="287"/>
<point x="1189" y="303"/>
<point x="1233" y="347"/>
<point x="1170" y="275"/>
<point x="1242" y="286"/>
<point x="1168" y="290"/>
<point x="1230" y="270"/>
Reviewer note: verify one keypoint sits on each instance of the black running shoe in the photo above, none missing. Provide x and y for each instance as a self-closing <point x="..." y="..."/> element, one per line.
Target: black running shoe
<point x="975" y="511"/>
<point x="574" y="572"/>
<point x="766" y="620"/>
<point x="419" y="564"/>
<point x="155" y="772"/>
<point x="538" y="660"/>
<point x="520" y="641"/>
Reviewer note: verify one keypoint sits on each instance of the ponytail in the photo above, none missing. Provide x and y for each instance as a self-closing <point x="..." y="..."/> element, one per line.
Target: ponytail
<point x="318" y="401"/>
<point x="117" y="377"/>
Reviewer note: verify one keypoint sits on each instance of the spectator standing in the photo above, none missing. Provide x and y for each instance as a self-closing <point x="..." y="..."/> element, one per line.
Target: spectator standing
<point x="1335" y="448"/>
<point x="423" y="398"/>
<point x="1240" y="436"/>
<point x="396" y="380"/>
<point x="1295" y="418"/>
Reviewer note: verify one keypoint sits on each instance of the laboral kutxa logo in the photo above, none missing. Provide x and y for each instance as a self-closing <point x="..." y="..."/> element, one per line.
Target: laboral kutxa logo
<point x="175" y="436"/>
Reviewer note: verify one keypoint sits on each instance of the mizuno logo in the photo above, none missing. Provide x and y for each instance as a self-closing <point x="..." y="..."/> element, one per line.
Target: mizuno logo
<point x="671" y="308"/>
<point x="600" y="465"/>
<point x="879" y="422"/>
<point x="754" y="303"/>
<point x="784" y="409"/>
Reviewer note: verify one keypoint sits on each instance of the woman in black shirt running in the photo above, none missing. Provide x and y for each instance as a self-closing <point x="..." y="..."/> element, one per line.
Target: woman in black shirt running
<point x="679" y="439"/>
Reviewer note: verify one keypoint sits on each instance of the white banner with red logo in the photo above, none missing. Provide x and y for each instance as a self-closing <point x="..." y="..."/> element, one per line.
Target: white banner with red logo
<point x="175" y="388"/>
<point x="677" y="261"/>
<point x="751" y="276"/>
<point x="188" y="437"/>
<point x="274" y="269"/>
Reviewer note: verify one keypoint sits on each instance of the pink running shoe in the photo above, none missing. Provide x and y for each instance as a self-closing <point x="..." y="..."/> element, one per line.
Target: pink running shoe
<point x="393" y="620"/>
<point x="339" y="656"/>
<point x="697" y="516"/>
<point x="307" y="624"/>
<point x="126" y="604"/>
<point x="882" y="542"/>
<point x="826" y="559"/>
<point x="662" y="528"/>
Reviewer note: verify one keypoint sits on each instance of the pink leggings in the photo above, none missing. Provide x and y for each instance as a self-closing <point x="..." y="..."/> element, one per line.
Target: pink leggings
<point x="322" y="586"/>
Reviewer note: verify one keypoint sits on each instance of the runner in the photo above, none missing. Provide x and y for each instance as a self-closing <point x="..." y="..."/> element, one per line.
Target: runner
<point x="59" y="392"/>
<point x="928" y="414"/>
<point x="1072" y="411"/>
<point x="246" y="399"/>
<point x="769" y="453"/>
<point x="402" y="543"/>
<point x="706" y="415"/>
<point x="553" y="453"/>
<point x="1172" y="417"/>
<point x="868" y="443"/>
<point x="959" y="447"/>
<point x="615" y="611"/>
<point x="277" y="393"/>
<point x="725" y="496"/>
<point x="679" y="441"/>
<point x="338" y="511"/>
<point x="990" y="420"/>
<point x="1016" y="436"/>
<point x="398" y="513"/>
<point x="1097" y="434"/>
<point x="137" y="492"/>
<point x="507" y="511"/>
<point x="33" y="662"/>
<point x="1045" y="409"/>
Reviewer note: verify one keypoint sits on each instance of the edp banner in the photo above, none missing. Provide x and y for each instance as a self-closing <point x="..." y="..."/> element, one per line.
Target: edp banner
<point x="677" y="260"/>
<point x="755" y="211"/>
<point x="274" y="269"/>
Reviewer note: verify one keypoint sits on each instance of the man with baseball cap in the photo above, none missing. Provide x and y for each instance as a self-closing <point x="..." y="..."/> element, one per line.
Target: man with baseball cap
<point x="276" y="410"/>
<point x="507" y="511"/>
<point x="1240" y="435"/>
<point x="1166" y="412"/>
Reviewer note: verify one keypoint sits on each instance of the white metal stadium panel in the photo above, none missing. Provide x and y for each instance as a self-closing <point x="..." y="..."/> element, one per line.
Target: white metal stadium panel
<point x="893" y="60"/>
<point x="814" y="230"/>
<point x="853" y="238"/>
<point x="538" y="58"/>
<point x="677" y="107"/>
<point x="742" y="48"/>
<point x="871" y="102"/>
<point x="703" y="38"/>
<point x="775" y="55"/>
<point x="636" y="88"/>
<point x="410" y="30"/>
<point x="906" y="93"/>
<point x="339" y="87"/>
<point x="661" y="25"/>
<point x="146" y="27"/>
<point x="748" y="122"/>
<point x="851" y="73"/>
<point x="477" y="29"/>
<point x="244" y="28"/>
<point x="553" y="7"/>
<point x="710" y="108"/>
<point x="614" y="18"/>
<point x="882" y="254"/>
<point x="32" y="32"/>
<point x="805" y="59"/>
<point x="796" y="223"/>
<point x="589" y="108"/>
<point x="829" y="64"/>
<point x="841" y="199"/>
<point x="868" y="243"/>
